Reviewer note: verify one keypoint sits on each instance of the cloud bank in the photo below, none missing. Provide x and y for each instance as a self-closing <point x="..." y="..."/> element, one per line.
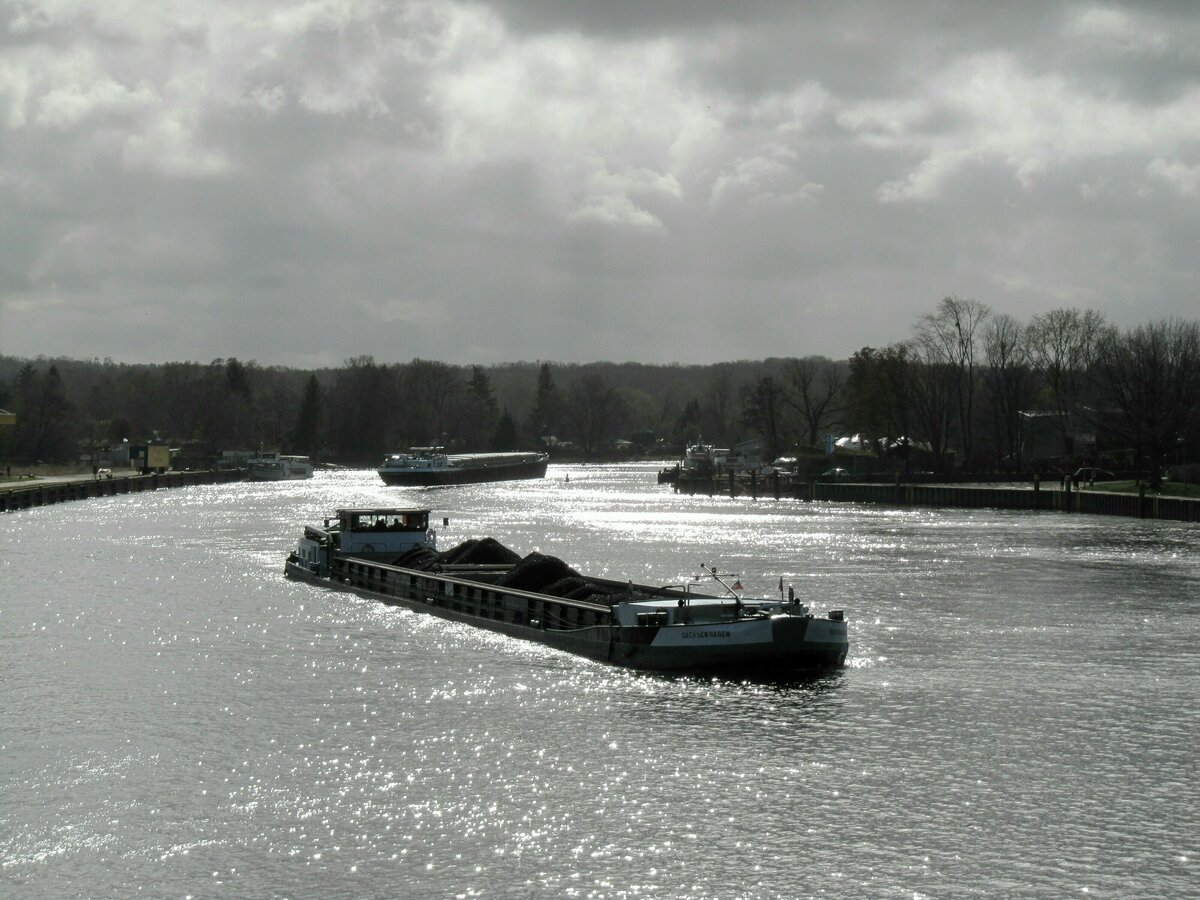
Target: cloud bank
<point x="474" y="182"/>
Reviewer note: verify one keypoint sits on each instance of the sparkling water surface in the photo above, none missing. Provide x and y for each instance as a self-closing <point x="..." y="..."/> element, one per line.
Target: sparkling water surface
<point x="1018" y="716"/>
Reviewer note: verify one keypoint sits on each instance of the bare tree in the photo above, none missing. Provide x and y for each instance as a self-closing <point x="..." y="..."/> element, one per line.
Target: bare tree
<point x="948" y="337"/>
<point x="362" y="407"/>
<point x="595" y="407"/>
<point x="762" y="411"/>
<point x="1008" y="382"/>
<point x="1152" y="374"/>
<point x="816" y="393"/>
<point x="717" y="412"/>
<point x="433" y="397"/>
<point x="1063" y="344"/>
<point x="933" y="380"/>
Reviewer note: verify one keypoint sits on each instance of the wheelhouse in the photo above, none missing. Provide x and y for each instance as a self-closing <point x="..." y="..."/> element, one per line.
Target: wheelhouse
<point x="373" y="533"/>
<point x="418" y="458"/>
<point x="384" y="531"/>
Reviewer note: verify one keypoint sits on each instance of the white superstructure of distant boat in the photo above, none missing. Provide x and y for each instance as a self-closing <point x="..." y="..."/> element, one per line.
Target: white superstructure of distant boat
<point x="278" y="467"/>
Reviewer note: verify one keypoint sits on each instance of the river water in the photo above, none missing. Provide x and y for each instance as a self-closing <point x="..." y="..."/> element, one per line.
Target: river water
<point x="1019" y="715"/>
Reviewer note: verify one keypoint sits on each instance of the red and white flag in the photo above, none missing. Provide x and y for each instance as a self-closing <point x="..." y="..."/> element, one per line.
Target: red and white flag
<point x="737" y="585"/>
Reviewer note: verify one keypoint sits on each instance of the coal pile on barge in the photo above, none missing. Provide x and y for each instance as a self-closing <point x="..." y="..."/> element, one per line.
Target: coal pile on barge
<point x="537" y="573"/>
<point x="481" y="552"/>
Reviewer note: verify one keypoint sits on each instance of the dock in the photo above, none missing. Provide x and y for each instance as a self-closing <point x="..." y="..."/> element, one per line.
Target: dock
<point x="18" y="495"/>
<point x="1030" y="495"/>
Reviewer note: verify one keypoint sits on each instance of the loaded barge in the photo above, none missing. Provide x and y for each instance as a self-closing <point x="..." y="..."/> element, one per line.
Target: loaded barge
<point x="392" y="554"/>
<point x="426" y="466"/>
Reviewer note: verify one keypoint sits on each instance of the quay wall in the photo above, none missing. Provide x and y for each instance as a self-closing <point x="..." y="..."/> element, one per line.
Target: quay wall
<point x="43" y="494"/>
<point x="1033" y="497"/>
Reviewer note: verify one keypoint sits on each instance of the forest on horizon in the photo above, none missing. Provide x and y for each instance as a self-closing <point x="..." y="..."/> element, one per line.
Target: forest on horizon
<point x="958" y="393"/>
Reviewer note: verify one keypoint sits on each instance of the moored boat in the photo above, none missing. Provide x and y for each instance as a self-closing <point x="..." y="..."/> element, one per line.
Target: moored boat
<point x="392" y="554"/>
<point x="278" y="467"/>
<point x="432" y="466"/>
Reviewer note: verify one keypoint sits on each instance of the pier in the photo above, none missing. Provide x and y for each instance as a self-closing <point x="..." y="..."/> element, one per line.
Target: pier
<point x="1032" y="496"/>
<point x="26" y="495"/>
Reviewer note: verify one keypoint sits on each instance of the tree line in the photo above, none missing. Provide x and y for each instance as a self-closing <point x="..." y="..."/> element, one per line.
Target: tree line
<point x="961" y="391"/>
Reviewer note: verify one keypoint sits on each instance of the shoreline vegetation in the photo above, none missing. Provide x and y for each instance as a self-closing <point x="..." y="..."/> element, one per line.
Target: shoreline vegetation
<point x="970" y="393"/>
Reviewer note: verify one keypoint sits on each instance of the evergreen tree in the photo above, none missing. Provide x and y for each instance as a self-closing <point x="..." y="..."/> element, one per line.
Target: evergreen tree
<point x="46" y="429"/>
<point x="478" y="423"/>
<point x="305" y="435"/>
<point x="480" y="389"/>
<point x="547" y="415"/>
<point x="505" y="436"/>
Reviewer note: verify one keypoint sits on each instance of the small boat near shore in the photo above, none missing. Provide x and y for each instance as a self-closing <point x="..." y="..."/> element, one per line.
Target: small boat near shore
<point x="391" y="554"/>
<point x="278" y="467"/>
<point x="423" y="466"/>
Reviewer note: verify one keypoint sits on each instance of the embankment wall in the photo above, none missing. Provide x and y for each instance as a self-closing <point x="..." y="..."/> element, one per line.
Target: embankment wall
<point x="26" y="496"/>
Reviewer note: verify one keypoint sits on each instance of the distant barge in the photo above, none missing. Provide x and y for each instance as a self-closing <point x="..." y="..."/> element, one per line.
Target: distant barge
<point x="278" y="467"/>
<point x="392" y="554"/>
<point x="424" y="466"/>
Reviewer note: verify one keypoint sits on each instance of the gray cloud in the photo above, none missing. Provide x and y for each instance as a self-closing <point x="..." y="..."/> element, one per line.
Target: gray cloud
<point x="478" y="183"/>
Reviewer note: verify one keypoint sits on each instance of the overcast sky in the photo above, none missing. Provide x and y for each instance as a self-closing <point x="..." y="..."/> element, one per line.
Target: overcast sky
<point x="299" y="183"/>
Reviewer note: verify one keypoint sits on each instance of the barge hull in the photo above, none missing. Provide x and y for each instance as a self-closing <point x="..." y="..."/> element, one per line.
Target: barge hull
<point x="778" y="646"/>
<point x="464" y="475"/>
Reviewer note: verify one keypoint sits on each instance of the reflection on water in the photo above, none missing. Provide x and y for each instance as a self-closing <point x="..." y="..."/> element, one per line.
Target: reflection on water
<point x="1017" y="717"/>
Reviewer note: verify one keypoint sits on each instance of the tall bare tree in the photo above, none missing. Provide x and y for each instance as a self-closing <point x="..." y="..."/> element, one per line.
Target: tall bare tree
<point x="762" y="411"/>
<point x="432" y="395"/>
<point x="1063" y="345"/>
<point x="1152" y="375"/>
<point x="934" y="382"/>
<point x="948" y="337"/>
<point x="595" y="407"/>
<point x="815" y="394"/>
<point x="363" y="411"/>
<point x="1008" y="382"/>
<point x="718" y="409"/>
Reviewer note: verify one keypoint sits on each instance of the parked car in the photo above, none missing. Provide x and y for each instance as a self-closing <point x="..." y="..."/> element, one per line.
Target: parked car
<point x="104" y="473"/>
<point x="1092" y="473"/>
<point x="835" y="474"/>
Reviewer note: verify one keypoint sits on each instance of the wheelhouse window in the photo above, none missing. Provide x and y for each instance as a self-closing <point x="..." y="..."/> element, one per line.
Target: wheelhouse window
<point x="386" y="520"/>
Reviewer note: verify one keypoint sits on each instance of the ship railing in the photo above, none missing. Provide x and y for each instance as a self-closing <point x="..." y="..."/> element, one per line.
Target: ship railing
<point x="476" y="568"/>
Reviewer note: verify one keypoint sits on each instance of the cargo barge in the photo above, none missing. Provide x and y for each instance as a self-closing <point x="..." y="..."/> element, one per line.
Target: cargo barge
<point x="391" y="554"/>
<point x="425" y="466"/>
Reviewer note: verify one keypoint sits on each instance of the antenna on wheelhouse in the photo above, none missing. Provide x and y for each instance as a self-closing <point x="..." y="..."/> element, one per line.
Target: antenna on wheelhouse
<point x="712" y="572"/>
